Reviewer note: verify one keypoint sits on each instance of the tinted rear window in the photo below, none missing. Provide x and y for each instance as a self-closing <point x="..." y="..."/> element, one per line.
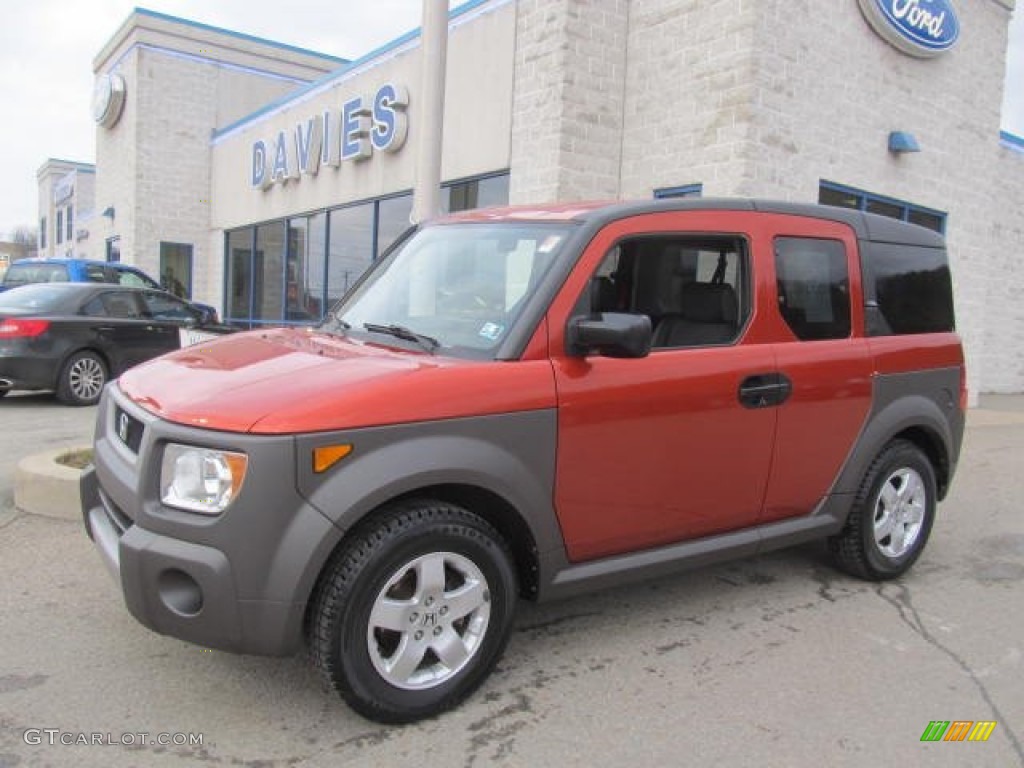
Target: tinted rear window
<point x="25" y="274"/>
<point x="908" y="290"/>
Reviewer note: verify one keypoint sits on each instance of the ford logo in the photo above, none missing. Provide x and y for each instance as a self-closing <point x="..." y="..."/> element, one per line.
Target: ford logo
<point x="920" y="28"/>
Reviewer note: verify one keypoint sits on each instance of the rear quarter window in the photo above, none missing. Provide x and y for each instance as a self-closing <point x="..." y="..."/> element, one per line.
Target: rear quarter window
<point x="908" y="290"/>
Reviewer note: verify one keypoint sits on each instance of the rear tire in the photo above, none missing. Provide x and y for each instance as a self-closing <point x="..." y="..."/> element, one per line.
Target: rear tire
<point x="413" y="612"/>
<point x="891" y="517"/>
<point x="82" y="379"/>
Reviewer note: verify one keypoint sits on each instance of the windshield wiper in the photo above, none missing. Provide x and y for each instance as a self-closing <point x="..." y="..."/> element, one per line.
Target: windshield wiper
<point x="429" y="343"/>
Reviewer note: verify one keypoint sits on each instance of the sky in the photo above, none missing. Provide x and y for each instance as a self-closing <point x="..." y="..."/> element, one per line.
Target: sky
<point x="47" y="48"/>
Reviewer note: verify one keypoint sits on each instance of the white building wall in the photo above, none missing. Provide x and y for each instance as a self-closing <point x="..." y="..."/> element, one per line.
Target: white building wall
<point x="80" y="179"/>
<point x="568" y="102"/>
<point x="689" y="96"/>
<point x="827" y="92"/>
<point x="1002" y="354"/>
<point x="182" y="81"/>
<point x="477" y="127"/>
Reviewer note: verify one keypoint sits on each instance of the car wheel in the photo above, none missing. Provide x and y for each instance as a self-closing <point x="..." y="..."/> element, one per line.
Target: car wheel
<point x="82" y="379"/>
<point x="414" y="611"/>
<point x="891" y="517"/>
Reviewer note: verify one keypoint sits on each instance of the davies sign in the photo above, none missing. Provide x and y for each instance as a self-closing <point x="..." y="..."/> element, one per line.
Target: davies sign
<point x="922" y="28"/>
<point x="361" y="127"/>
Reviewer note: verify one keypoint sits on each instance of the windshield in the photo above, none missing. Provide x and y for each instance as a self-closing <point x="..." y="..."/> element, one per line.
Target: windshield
<point x="458" y="288"/>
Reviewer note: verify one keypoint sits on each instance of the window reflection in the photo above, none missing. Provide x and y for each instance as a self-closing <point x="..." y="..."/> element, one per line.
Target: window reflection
<point x="268" y="272"/>
<point x="392" y="220"/>
<point x="292" y="271"/>
<point x="351" y="244"/>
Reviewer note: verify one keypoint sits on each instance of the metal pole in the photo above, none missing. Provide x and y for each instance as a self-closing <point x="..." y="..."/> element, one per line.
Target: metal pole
<point x="426" y="197"/>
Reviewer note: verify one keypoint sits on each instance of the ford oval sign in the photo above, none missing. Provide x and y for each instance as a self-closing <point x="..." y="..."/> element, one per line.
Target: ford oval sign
<point x="922" y="28"/>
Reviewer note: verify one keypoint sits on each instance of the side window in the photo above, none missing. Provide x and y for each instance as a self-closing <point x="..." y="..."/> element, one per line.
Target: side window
<point x="55" y="275"/>
<point x="95" y="273"/>
<point x="120" y="304"/>
<point x="813" y="287"/>
<point x="127" y="277"/>
<point x="163" y="307"/>
<point x="694" y="289"/>
<point x="94" y="308"/>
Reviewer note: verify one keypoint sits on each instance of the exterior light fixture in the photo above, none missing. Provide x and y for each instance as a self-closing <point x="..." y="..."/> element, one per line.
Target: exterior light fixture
<point x="901" y="142"/>
<point x="109" y="212"/>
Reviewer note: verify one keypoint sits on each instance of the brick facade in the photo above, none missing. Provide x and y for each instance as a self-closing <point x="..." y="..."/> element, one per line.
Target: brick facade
<point x="768" y="99"/>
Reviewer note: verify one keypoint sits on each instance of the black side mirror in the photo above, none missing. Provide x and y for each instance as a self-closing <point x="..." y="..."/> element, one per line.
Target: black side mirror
<point x="611" y="334"/>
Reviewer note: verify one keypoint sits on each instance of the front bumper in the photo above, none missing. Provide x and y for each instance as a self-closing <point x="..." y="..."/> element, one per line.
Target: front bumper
<point x="237" y="582"/>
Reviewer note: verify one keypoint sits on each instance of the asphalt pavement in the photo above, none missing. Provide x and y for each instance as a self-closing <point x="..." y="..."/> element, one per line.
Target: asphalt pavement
<point x="777" y="660"/>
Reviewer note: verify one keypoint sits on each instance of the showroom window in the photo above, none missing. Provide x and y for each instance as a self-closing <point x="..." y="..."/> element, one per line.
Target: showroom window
<point x="290" y="272"/>
<point x="482" y="192"/>
<point x="842" y="196"/>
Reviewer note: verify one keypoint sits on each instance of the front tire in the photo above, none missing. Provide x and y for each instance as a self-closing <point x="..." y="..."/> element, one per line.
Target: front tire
<point x="82" y="379"/>
<point x="892" y="515"/>
<point x="414" y="611"/>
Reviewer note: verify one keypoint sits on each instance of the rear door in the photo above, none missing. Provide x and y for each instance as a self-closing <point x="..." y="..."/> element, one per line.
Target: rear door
<point x="821" y="351"/>
<point x="663" y="449"/>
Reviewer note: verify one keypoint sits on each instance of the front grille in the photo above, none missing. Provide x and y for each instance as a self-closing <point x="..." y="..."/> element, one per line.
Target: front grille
<point x="117" y="516"/>
<point x="128" y="429"/>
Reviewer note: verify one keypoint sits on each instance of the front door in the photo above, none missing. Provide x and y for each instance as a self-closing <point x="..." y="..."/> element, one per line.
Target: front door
<point x="662" y="449"/>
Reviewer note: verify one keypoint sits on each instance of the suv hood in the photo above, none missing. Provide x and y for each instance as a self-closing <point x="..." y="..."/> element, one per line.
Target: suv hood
<point x="300" y="380"/>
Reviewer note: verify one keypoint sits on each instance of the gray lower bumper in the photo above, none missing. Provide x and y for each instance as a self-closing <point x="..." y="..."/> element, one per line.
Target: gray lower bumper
<point x="183" y="589"/>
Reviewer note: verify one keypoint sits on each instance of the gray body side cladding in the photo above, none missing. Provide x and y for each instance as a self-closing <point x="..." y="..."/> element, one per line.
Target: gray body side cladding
<point x="926" y="401"/>
<point x="258" y="563"/>
<point x="509" y="455"/>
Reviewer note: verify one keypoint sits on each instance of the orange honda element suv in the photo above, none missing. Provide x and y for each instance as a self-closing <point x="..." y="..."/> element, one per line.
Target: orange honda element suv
<point x="526" y="403"/>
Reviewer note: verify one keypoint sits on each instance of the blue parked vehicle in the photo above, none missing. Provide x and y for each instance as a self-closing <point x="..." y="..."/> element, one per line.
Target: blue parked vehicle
<point x="69" y="270"/>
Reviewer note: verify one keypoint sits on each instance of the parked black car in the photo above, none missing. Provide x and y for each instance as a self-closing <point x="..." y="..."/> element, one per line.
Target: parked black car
<point x="73" y="337"/>
<point x="59" y="269"/>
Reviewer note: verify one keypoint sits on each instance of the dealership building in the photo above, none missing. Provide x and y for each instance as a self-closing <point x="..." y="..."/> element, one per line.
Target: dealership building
<point x="265" y="178"/>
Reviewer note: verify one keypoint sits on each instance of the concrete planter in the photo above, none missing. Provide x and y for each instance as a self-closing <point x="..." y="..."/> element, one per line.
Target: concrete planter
<point x="44" y="487"/>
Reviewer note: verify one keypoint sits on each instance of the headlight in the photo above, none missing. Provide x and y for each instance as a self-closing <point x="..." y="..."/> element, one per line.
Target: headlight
<point x="200" y="479"/>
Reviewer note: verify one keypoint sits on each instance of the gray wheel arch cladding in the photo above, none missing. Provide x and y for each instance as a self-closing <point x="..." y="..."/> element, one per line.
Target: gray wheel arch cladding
<point x="896" y="412"/>
<point x="511" y="456"/>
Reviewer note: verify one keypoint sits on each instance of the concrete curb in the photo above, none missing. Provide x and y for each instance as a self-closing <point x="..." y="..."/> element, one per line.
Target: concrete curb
<point x="44" y="487"/>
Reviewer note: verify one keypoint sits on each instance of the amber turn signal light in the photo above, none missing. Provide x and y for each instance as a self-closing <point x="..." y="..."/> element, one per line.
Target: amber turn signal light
<point x="327" y="456"/>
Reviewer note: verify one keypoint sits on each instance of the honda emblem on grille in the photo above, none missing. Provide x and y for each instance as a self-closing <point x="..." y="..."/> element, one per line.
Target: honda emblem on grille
<point x="122" y="427"/>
